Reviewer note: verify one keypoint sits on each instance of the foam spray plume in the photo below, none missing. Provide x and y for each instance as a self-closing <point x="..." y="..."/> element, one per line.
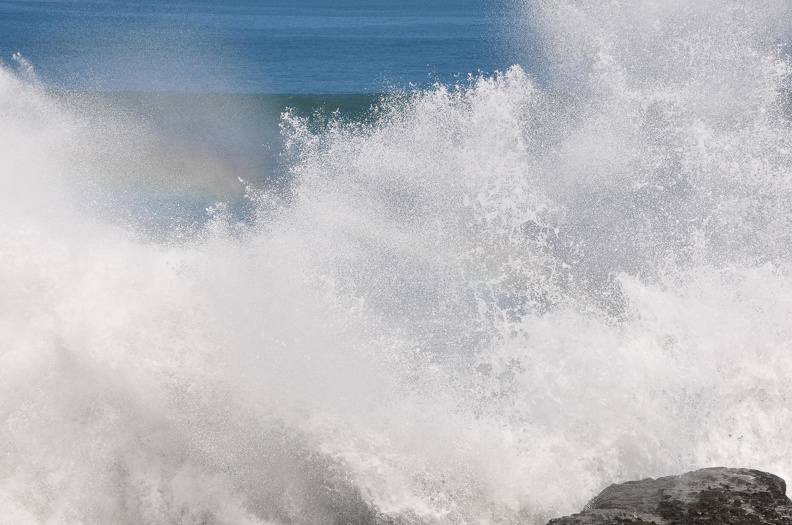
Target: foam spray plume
<point x="481" y="306"/>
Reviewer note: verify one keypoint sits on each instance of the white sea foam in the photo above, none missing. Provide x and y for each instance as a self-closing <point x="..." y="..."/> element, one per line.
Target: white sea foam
<point x="483" y="307"/>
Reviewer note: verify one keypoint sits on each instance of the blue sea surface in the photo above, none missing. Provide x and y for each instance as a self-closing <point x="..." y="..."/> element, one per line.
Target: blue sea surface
<point x="243" y="46"/>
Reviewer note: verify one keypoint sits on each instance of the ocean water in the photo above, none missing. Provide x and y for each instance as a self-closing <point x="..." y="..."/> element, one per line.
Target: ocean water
<point x="245" y="46"/>
<point x="475" y="301"/>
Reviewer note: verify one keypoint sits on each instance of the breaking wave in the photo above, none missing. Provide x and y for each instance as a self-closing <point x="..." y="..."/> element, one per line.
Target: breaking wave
<point x="481" y="304"/>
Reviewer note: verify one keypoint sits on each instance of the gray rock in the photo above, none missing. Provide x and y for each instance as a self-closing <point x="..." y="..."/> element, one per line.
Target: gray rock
<point x="711" y="496"/>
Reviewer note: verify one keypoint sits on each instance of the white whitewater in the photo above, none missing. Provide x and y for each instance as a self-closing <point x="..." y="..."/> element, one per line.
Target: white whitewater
<point x="481" y="308"/>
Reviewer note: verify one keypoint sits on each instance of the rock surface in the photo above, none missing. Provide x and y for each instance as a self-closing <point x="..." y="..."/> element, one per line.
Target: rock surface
<point x="711" y="496"/>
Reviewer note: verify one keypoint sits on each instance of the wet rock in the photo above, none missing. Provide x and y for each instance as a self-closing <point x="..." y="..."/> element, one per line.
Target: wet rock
<point x="711" y="496"/>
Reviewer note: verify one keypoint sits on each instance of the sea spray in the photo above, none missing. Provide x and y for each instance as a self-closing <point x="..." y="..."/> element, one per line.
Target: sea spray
<point x="483" y="305"/>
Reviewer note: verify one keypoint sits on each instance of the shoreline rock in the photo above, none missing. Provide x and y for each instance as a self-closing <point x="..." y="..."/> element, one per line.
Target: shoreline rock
<point x="711" y="496"/>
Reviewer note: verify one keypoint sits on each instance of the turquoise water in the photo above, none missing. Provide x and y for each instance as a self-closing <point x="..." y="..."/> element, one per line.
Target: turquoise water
<point x="239" y="134"/>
